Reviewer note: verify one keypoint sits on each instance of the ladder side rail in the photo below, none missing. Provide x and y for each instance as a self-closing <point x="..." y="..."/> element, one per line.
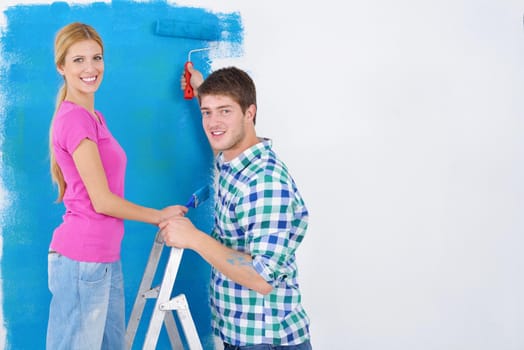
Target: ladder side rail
<point x="172" y="331"/>
<point x="145" y="286"/>
<point x="188" y="325"/>
<point x="157" y="318"/>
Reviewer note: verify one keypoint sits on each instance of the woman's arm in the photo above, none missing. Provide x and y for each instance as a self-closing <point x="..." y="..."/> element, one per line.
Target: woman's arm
<point x="89" y="166"/>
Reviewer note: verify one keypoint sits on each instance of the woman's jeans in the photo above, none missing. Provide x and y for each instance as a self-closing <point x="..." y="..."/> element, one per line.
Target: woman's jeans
<point x="304" y="346"/>
<point x="87" y="308"/>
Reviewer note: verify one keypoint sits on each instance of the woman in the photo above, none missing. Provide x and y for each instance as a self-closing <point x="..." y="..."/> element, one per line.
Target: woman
<point x="88" y="165"/>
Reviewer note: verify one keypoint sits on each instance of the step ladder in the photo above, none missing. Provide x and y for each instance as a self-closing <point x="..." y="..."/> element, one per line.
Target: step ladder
<point x="164" y="306"/>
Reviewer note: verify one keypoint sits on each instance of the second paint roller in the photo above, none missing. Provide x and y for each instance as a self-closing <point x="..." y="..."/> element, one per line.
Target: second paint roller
<point x="204" y="29"/>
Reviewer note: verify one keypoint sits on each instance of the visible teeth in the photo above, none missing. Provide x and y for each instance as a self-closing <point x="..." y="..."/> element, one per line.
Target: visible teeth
<point x="89" y="79"/>
<point x="217" y="132"/>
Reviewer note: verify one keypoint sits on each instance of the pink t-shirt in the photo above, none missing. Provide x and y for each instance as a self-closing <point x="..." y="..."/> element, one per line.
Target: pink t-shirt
<point x="85" y="235"/>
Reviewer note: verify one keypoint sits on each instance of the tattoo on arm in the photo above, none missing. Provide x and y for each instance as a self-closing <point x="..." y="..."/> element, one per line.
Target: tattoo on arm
<point x="238" y="260"/>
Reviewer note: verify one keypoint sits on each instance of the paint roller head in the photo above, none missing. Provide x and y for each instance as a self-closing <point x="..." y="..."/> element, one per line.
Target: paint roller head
<point x="205" y="29"/>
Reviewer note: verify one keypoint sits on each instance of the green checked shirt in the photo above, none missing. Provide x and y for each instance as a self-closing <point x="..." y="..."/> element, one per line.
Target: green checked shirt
<point x="258" y="210"/>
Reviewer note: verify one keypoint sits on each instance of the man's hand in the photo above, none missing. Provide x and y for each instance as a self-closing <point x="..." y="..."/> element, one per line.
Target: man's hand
<point x="179" y="232"/>
<point x="196" y="79"/>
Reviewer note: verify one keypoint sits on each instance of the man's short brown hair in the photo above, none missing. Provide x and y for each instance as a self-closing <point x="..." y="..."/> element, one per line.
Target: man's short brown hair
<point x="232" y="82"/>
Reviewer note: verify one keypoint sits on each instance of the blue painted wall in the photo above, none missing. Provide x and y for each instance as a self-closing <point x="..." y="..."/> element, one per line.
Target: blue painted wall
<point x="168" y="154"/>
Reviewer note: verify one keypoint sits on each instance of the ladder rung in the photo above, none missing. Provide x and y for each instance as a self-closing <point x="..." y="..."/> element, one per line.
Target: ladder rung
<point x="152" y="293"/>
<point x="177" y="303"/>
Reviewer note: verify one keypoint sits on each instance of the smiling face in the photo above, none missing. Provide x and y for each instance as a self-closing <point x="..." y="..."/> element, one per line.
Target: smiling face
<point x="228" y="129"/>
<point x="83" y="70"/>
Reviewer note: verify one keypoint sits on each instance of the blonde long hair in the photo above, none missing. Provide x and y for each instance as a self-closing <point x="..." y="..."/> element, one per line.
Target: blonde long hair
<point x="65" y="38"/>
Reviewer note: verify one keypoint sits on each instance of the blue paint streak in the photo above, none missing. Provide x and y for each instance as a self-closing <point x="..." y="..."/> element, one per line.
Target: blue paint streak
<point x="168" y="154"/>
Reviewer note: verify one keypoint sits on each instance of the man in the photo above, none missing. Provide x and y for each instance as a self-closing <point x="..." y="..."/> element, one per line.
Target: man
<point x="260" y="220"/>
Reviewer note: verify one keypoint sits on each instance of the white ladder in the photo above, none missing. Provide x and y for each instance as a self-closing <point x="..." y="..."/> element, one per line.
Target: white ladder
<point x="164" y="306"/>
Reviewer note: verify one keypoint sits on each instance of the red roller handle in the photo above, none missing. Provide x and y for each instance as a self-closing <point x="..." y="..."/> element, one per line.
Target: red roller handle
<point x="188" y="91"/>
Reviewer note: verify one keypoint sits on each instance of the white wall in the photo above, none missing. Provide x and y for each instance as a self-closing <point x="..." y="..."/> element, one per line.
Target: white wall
<point x="402" y="123"/>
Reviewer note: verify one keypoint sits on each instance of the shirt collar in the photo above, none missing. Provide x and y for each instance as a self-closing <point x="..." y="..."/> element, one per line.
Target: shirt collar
<point x="243" y="159"/>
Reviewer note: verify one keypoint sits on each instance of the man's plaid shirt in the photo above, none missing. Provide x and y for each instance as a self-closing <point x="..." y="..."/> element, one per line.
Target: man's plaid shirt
<point x="258" y="210"/>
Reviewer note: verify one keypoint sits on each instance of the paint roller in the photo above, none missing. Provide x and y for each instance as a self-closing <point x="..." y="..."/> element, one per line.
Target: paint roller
<point x="207" y="29"/>
<point x="188" y="91"/>
<point x="198" y="197"/>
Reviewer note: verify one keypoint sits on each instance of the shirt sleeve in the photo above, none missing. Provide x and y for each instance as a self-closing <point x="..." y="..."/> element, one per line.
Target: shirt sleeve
<point x="75" y="127"/>
<point x="268" y="213"/>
